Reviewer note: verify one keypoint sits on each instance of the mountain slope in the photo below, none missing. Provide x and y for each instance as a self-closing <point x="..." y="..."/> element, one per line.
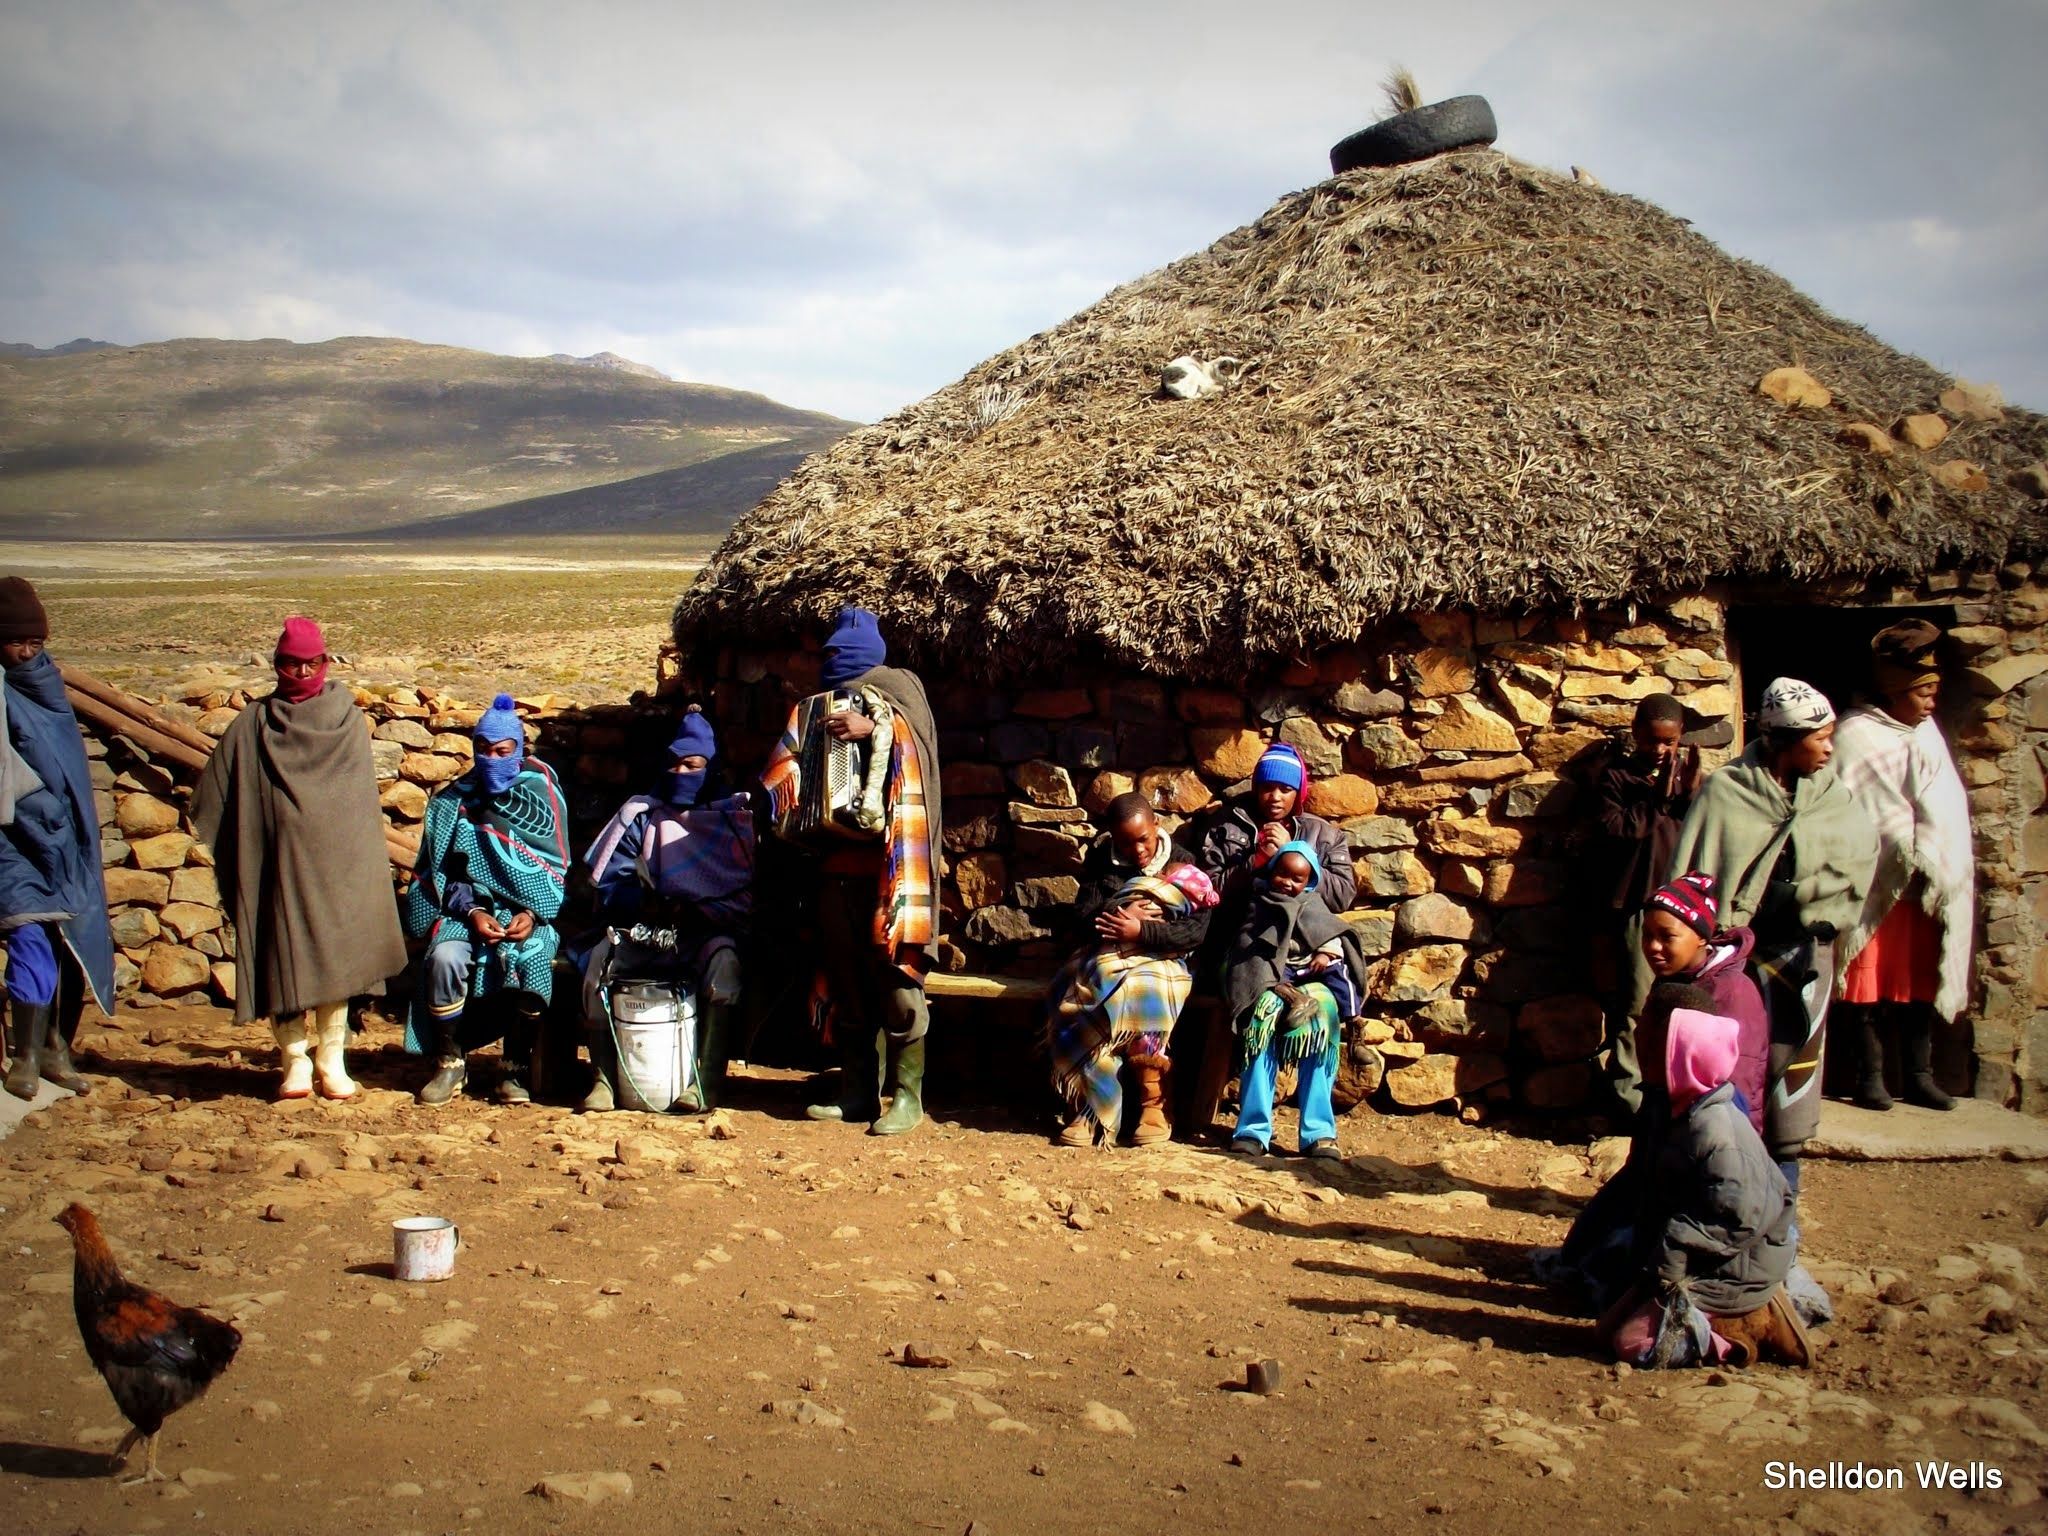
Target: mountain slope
<point x="197" y="439"/>
<point x="705" y="498"/>
<point x="62" y="349"/>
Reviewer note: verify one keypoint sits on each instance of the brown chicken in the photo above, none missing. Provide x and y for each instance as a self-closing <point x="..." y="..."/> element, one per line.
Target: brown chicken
<point x="156" y="1356"/>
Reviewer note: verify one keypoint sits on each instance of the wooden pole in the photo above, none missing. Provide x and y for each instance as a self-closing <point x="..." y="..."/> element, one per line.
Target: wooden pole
<point x="107" y="717"/>
<point x="136" y="709"/>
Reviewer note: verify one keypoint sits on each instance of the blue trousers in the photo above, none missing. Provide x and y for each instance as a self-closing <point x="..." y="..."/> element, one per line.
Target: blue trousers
<point x="447" y="978"/>
<point x="32" y="963"/>
<point x="1316" y="1076"/>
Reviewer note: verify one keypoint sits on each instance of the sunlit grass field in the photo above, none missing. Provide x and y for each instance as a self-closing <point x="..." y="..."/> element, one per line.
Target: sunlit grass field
<point x="578" y="617"/>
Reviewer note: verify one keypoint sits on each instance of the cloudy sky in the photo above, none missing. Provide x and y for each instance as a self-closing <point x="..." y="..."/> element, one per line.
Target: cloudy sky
<point x="846" y="205"/>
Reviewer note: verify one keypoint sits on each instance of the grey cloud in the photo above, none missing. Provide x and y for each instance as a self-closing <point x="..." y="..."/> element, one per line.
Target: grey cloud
<point x="850" y="205"/>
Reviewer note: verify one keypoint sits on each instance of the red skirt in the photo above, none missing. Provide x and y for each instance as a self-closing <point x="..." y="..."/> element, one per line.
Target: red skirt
<point x="1902" y="961"/>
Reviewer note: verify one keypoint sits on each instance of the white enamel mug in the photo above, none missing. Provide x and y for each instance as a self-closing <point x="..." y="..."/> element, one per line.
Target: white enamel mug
<point x="424" y="1247"/>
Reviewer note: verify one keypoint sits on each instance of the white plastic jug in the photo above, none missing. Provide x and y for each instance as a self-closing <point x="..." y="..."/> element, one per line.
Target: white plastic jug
<point x="655" y="1029"/>
<point x="424" y="1247"/>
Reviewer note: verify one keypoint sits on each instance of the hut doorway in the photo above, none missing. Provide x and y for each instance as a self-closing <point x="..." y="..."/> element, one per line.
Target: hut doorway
<point x="1830" y="648"/>
<point x="1827" y="647"/>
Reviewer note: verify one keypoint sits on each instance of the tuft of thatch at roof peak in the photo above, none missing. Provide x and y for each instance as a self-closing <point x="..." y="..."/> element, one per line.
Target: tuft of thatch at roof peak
<point x="1469" y="384"/>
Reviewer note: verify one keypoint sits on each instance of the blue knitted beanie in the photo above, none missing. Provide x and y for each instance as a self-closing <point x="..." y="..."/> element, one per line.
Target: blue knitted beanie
<point x="694" y="737"/>
<point x="501" y="722"/>
<point x="854" y="647"/>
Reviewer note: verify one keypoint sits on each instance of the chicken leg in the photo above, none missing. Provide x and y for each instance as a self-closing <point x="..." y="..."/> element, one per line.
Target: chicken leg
<point x="150" y="1474"/>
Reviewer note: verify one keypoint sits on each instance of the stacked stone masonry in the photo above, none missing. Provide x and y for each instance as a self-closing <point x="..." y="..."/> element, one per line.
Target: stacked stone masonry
<point x="172" y="937"/>
<point x="1454" y="751"/>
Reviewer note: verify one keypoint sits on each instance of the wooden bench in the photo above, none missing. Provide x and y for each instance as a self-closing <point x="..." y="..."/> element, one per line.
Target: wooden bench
<point x="1203" y="1021"/>
<point x="968" y="984"/>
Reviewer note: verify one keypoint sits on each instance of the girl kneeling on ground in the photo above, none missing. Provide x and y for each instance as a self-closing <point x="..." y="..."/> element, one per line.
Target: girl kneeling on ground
<point x="1716" y="1238"/>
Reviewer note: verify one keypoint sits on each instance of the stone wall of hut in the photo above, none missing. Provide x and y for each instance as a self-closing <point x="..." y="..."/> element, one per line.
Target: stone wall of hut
<point x="173" y="940"/>
<point x="1456" y="753"/>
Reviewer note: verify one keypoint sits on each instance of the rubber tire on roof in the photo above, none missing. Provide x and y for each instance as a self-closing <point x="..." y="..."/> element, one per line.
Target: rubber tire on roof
<point x="1460" y="122"/>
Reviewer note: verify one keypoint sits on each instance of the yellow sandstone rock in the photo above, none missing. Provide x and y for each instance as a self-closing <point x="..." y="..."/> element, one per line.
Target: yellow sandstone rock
<point x="1795" y="387"/>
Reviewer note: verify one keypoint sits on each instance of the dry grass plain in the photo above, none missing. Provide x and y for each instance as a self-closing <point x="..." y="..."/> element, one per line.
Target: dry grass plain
<point x="581" y="617"/>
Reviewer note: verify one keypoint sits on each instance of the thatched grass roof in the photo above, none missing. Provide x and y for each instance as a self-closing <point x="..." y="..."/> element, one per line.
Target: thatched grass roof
<point x="1476" y="384"/>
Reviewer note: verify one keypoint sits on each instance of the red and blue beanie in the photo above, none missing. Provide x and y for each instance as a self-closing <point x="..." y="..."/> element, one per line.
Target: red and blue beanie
<point x="1691" y="899"/>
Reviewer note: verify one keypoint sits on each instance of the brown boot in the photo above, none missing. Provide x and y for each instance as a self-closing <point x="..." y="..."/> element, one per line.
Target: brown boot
<point x="1153" y="1074"/>
<point x="1077" y="1132"/>
<point x="1743" y="1333"/>
<point x="1772" y="1333"/>
<point x="1787" y="1342"/>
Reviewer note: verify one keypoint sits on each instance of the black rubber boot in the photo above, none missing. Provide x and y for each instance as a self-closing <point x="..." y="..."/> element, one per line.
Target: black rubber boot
<point x="446" y="1082"/>
<point x="1916" y="1039"/>
<point x="1870" y="1089"/>
<point x="29" y="1022"/>
<point x="522" y="1029"/>
<point x="57" y="1066"/>
<point x="906" y="1091"/>
<point x="713" y="1031"/>
<point x="453" y="1070"/>
<point x="70" y="1006"/>
<point x="603" y="1097"/>
<point x="860" y="1081"/>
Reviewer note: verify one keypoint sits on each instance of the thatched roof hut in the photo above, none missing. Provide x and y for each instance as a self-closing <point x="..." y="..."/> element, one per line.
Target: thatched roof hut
<point x="1503" y="454"/>
<point x="1474" y="384"/>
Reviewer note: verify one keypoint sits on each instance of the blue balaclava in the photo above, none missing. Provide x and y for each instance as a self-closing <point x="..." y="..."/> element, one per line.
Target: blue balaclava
<point x="694" y="738"/>
<point x="500" y="722"/>
<point x="854" y="647"/>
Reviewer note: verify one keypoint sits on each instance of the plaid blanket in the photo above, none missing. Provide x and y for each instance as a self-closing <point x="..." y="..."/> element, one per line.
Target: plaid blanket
<point x="906" y="908"/>
<point x="782" y="778"/>
<point x="1110" y="999"/>
<point x="702" y="855"/>
<point x="513" y="850"/>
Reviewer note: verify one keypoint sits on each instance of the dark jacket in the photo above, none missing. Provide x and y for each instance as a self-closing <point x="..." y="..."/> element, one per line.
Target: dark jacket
<point x="1725" y="978"/>
<point x="1638" y="829"/>
<point x="1102" y="876"/>
<point x="1224" y="852"/>
<point x="1276" y="932"/>
<point x="1719" y="1213"/>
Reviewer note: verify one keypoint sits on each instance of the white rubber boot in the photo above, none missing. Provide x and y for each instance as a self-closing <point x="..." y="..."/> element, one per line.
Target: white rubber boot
<point x="298" y="1065"/>
<point x="330" y="1036"/>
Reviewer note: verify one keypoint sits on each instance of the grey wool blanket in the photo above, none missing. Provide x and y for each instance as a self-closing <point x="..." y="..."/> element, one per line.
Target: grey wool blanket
<point x="289" y="806"/>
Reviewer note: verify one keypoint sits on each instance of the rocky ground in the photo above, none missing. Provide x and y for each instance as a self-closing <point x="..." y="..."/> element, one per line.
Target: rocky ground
<point x="703" y="1324"/>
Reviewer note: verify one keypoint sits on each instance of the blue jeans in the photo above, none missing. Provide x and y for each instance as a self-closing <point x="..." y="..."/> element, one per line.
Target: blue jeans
<point x="32" y="963"/>
<point x="1316" y="1077"/>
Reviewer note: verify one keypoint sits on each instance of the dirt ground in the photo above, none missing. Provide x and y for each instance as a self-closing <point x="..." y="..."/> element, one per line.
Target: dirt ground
<point x="699" y="1325"/>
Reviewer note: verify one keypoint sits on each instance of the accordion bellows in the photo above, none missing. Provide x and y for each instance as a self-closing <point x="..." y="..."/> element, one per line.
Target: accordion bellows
<point x="840" y="785"/>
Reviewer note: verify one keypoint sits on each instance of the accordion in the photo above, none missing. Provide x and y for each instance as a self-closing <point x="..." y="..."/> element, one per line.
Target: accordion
<point x="839" y="784"/>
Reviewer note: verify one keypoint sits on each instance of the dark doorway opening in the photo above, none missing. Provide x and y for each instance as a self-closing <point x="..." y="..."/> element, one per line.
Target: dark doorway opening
<point x="1827" y="647"/>
<point x="1830" y="648"/>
